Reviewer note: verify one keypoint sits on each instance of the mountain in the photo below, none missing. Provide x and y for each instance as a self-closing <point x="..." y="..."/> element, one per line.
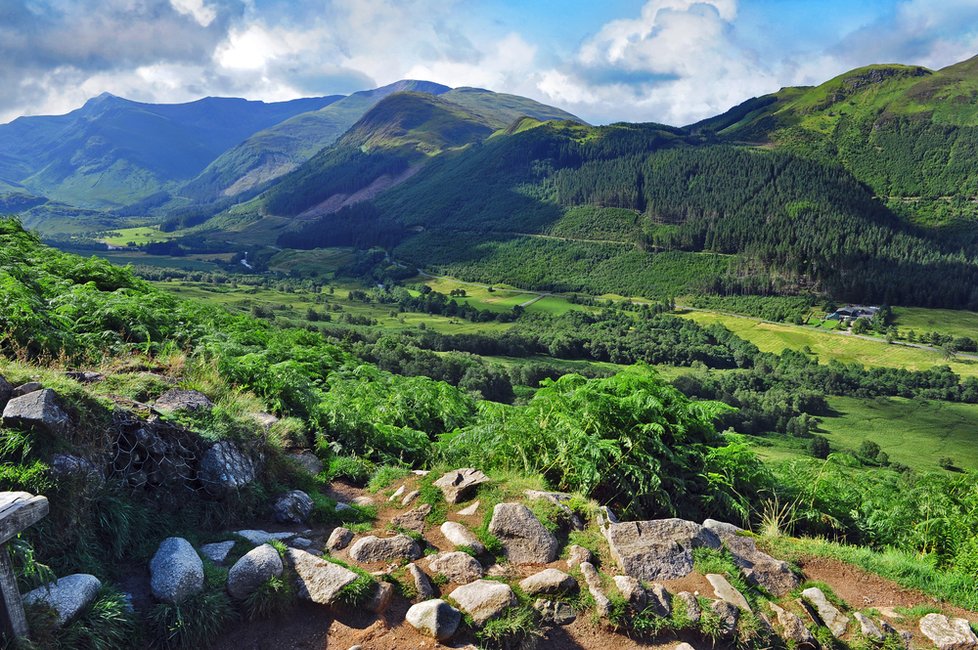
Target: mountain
<point x="114" y="151"/>
<point x="909" y="133"/>
<point x="279" y="149"/>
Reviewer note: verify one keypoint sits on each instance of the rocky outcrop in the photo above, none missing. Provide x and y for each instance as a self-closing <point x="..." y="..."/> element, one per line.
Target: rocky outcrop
<point x="561" y="500"/>
<point x="523" y="537"/>
<point x="39" y="411"/>
<point x="375" y="549"/>
<point x="460" y="484"/>
<point x="176" y="571"/>
<point x="293" y="507"/>
<point x="318" y="580"/>
<point x="948" y="633"/>
<point x="254" y="569"/>
<point x="484" y="599"/>
<point x="178" y="399"/>
<point x="661" y="549"/>
<point x="434" y="618"/>
<point x="339" y="539"/>
<point x="460" y="536"/>
<point x="460" y="568"/>
<point x="548" y="581"/>
<point x="225" y="468"/>
<point x="836" y="621"/>
<point x="67" y="596"/>
<point x="759" y="568"/>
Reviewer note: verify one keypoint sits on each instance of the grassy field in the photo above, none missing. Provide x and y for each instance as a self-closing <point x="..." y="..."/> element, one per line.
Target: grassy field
<point x="318" y="262"/>
<point x="502" y="297"/>
<point x="136" y="236"/>
<point x="776" y="337"/>
<point x="915" y="433"/>
<point x="945" y="321"/>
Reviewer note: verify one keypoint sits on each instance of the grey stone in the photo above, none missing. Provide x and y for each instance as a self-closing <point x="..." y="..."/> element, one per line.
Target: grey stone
<point x="684" y="646"/>
<point x="318" y="580"/>
<point x="422" y="585"/>
<point x="293" y="507"/>
<point x="660" y="549"/>
<point x="300" y="542"/>
<point x="632" y="591"/>
<point x="38" y="410"/>
<point x="6" y="391"/>
<point x="376" y="549"/>
<point x="217" y="551"/>
<point x="593" y="581"/>
<point x="577" y="554"/>
<point x="67" y="596"/>
<point x="726" y="591"/>
<point x="759" y="568"/>
<point x="179" y="399"/>
<point x="470" y="509"/>
<point x="484" y="599"/>
<point x="84" y="376"/>
<point x="307" y="461"/>
<point x="548" y="581"/>
<point x="362" y="501"/>
<point x="948" y="633"/>
<point x="434" y="618"/>
<point x="523" y="537"/>
<point x="76" y="467"/>
<point x="413" y="520"/>
<point x="342" y="507"/>
<point x="460" y="568"/>
<point x="728" y="614"/>
<point x="690" y="604"/>
<point x="397" y="494"/>
<point x="257" y="537"/>
<point x="559" y="499"/>
<point x="26" y="389"/>
<point x="555" y="612"/>
<point x="380" y="598"/>
<point x="410" y="497"/>
<point x="176" y="571"/>
<point x="867" y="627"/>
<point x="458" y="485"/>
<point x="836" y="621"/>
<point x="255" y="567"/>
<point x="458" y="535"/>
<point x="793" y="628"/>
<point x="659" y="599"/>
<point x="339" y="539"/>
<point x="224" y="468"/>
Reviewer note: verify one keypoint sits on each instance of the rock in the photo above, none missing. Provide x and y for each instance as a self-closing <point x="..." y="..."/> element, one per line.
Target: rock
<point x="224" y="468"/>
<point x="690" y="604"/>
<point x="484" y="599"/>
<point x="381" y="598"/>
<point x="308" y="462"/>
<point x="67" y="596"/>
<point x="793" y="628"/>
<point x="759" y="568"/>
<point x="6" y="391"/>
<point x="300" y="542"/>
<point x="559" y="499"/>
<point x="657" y="550"/>
<point x="458" y="485"/>
<point x="413" y="520"/>
<point x="410" y="497"/>
<point x="632" y="591"/>
<point x="555" y="612"/>
<point x="293" y="507"/>
<point x="948" y="634"/>
<point x="726" y="591"/>
<point x="434" y="618"/>
<point x="660" y="600"/>
<point x="257" y="537"/>
<point x="38" y="410"/>
<point x="422" y="584"/>
<point x="176" y="571"/>
<point x="342" y="507"/>
<point x="833" y="619"/>
<point x="339" y="539"/>
<point x="76" y="467"/>
<point x="577" y="554"/>
<point x="470" y="509"/>
<point x="397" y="494"/>
<point x="601" y="602"/>
<point x="548" y="581"/>
<point x="217" y="551"/>
<point x="684" y="646"/>
<point x="362" y="501"/>
<point x="318" y="580"/>
<point x="460" y="568"/>
<point x="254" y="568"/>
<point x="606" y="516"/>
<point x="26" y="389"/>
<point x="523" y="537"/>
<point x="728" y="615"/>
<point x="376" y="549"/>
<point x="84" y="376"/>
<point x="867" y="627"/>
<point x="458" y="535"/>
<point x="178" y="399"/>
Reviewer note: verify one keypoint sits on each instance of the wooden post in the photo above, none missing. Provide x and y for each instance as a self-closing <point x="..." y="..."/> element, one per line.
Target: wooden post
<point x="18" y="511"/>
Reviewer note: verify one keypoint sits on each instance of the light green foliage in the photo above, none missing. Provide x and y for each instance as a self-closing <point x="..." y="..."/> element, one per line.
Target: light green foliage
<point x="386" y="475"/>
<point x="513" y="630"/>
<point x="106" y="624"/>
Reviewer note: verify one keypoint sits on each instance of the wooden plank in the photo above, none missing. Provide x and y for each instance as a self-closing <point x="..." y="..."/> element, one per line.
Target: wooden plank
<point x="21" y="515"/>
<point x="10" y="499"/>
<point x="13" y="618"/>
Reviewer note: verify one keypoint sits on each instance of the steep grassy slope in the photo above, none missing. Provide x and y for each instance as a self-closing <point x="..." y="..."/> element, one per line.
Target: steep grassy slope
<point x="113" y="151"/>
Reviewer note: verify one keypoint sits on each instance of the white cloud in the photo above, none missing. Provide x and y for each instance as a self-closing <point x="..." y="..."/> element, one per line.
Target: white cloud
<point x="198" y="9"/>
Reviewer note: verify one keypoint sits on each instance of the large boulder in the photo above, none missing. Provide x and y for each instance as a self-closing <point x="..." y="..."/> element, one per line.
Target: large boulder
<point x="548" y="581"/>
<point x="460" y="568"/>
<point x="176" y="571"/>
<point x="318" y="580"/>
<point x="523" y="537"/>
<point x="225" y="468"/>
<point x="759" y="568"/>
<point x="948" y="634"/>
<point x="434" y="618"/>
<point x="178" y="399"/>
<point x="660" y="549"/>
<point x="484" y="599"/>
<point x="67" y="596"/>
<point x="836" y="621"/>
<point x="254" y="569"/>
<point x="459" y="536"/>
<point x="376" y="549"/>
<point x="460" y="484"/>
<point x="293" y="507"/>
<point x="38" y="410"/>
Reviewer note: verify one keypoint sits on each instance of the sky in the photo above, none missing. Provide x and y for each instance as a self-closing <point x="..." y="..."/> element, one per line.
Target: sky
<point x="669" y="61"/>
